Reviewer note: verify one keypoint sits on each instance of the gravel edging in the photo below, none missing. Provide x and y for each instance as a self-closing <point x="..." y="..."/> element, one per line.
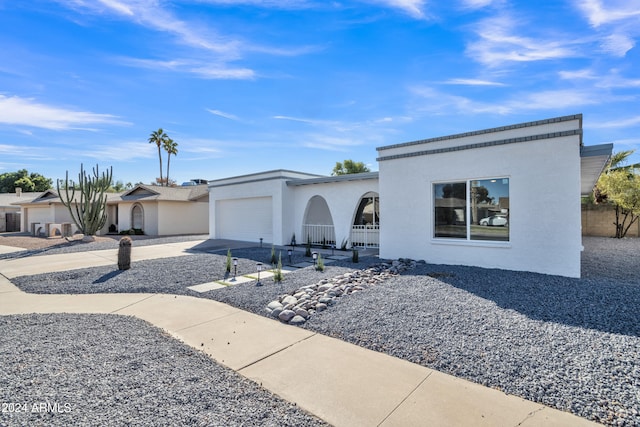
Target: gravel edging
<point x="112" y="370"/>
<point x="568" y="343"/>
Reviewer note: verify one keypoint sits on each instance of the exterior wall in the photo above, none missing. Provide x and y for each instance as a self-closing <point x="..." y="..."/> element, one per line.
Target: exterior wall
<point x="599" y="220"/>
<point x="40" y="214"/>
<point x="150" y="211"/>
<point x="342" y="199"/>
<point x="544" y="189"/>
<point x="182" y="218"/>
<point x="267" y="184"/>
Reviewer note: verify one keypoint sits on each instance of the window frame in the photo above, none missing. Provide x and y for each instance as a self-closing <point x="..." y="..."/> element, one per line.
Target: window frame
<point x="466" y="240"/>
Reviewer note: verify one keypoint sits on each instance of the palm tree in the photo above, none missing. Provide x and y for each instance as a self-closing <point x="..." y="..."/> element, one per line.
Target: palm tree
<point x="158" y="137"/>
<point x="170" y="147"/>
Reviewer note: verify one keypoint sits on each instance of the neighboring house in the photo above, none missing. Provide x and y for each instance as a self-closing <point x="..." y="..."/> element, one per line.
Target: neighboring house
<point x="162" y="211"/>
<point x="431" y="198"/>
<point x="10" y="212"/>
<point x="152" y="209"/>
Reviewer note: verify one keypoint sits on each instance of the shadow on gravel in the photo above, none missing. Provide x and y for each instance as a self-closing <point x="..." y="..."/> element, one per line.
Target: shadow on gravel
<point x="605" y="305"/>
<point x="108" y="276"/>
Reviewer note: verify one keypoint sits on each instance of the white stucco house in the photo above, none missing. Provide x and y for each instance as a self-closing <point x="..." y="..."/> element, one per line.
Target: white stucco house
<point x="506" y="197"/>
<point x="154" y="210"/>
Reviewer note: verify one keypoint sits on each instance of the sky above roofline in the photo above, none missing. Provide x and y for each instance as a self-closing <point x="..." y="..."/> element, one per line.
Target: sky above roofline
<point x="250" y="85"/>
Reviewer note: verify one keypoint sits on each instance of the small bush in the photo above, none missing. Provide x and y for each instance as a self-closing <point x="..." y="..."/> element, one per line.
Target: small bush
<point x="307" y="251"/>
<point x="277" y="275"/>
<point x="273" y="256"/>
<point x="354" y="255"/>
<point x="320" y="263"/>
<point x="228" y="266"/>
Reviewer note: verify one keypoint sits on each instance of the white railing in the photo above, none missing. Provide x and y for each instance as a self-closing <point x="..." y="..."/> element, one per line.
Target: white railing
<point x="318" y="234"/>
<point x="367" y="236"/>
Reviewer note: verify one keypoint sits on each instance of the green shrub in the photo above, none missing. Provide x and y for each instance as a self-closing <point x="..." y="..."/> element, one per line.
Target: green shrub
<point x="320" y="263"/>
<point x="354" y="255"/>
<point x="307" y="251"/>
<point x="228" y="266"/>
<point x="273" y="256"/>
<point x="277" y="275"/>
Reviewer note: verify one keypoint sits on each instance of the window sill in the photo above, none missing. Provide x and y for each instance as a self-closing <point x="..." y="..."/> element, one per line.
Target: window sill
<point x="472" y="243"/>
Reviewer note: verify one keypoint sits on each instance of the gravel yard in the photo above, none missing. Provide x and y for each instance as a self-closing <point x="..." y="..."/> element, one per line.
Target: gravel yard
<point x="106" y="370"/>
<point x="573" y="344"/>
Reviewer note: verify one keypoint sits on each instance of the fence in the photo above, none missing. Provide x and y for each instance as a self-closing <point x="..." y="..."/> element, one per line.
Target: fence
<point x="599" y="220"/>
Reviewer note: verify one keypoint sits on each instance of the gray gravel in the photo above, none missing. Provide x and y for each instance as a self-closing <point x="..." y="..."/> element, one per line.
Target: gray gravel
<point x="572" y="344"/>
<point x="110" y="242"/>
<point x="108" y="370"/>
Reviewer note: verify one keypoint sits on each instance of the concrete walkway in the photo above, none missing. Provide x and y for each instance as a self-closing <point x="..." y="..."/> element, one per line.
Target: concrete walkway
<point x="343" y="384"/>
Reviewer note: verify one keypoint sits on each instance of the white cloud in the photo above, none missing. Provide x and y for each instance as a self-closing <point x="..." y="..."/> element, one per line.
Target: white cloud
<point x="615" y="10"/>
<point x="472" y="82"/>
<point x="222" y="114"/>
<point x="617" y="44"/>
<point x="441" y="103"/>
<point x="476" y="4"/>
<point x="414" y="8"/>
<point x="622" y="123"/>
<point x="203" y="70"/>
<point x="578" y="74"/>
<point x="499" y="43"/>
<point x="554" y="99"/>
<point x="27" y="112"/>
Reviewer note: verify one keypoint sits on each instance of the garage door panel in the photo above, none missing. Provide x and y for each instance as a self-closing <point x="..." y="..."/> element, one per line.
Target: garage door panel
<point x="245" y="219"/>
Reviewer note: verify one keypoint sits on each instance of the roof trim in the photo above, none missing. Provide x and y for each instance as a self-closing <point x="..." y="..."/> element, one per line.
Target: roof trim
<point x="484" y="144"/>
<point x="238" y="180"/>
<point x="336" y="178"/>
<point x="485" y="131"/>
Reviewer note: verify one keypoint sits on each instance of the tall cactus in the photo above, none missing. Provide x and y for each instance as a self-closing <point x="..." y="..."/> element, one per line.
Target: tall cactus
<point x="89" y="210"/>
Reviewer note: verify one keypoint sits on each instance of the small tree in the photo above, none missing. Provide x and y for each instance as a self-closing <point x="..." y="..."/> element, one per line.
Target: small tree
<point x="89" y="210"/>
<point x="349" y="167"/>
<point x="620" y="186"/>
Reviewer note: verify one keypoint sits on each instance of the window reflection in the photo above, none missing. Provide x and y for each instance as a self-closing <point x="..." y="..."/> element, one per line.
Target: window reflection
<point x="474" y="210"/>
<point x="450" y="206"/>
<point x="489" y="199"/>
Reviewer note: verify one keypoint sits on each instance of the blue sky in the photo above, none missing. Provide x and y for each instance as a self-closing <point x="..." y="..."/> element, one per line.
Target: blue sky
<point x="250" y="85"/>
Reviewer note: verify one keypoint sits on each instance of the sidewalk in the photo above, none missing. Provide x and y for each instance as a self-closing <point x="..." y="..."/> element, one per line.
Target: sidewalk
<point x="341" y="383"/>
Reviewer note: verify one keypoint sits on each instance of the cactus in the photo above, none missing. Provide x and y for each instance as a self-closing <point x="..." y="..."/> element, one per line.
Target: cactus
<point x="124" y="253"/>
<point x="89" y="211"/>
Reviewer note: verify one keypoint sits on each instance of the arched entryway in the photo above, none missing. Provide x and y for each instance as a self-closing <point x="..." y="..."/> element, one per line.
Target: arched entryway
<point x="365" y="231"/>
<point x="317" y="227"/>
<point x="137" y="217"/>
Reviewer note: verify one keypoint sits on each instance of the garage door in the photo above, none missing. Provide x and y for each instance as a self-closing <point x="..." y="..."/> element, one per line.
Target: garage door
<point x="245" y="219"/>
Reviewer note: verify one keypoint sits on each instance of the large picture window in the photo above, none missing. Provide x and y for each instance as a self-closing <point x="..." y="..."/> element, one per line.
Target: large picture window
<point x="472" y="209"/>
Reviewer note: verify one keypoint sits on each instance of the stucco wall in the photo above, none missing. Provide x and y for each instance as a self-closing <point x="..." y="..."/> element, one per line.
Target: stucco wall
<point x="183" y="218"/>
<point x="150" y="211"/>
<point x="268" y="186"/>
<point x="342" y="199"/>
<point x="544" y="189"/>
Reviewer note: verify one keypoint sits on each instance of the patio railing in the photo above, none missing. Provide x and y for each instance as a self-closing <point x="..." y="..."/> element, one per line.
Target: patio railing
<point x="318" y="234"/>
<point x="366" y="236"/>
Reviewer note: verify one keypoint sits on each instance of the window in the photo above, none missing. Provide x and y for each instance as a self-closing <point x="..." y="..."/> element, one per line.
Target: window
<point x="472" y="210"/>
